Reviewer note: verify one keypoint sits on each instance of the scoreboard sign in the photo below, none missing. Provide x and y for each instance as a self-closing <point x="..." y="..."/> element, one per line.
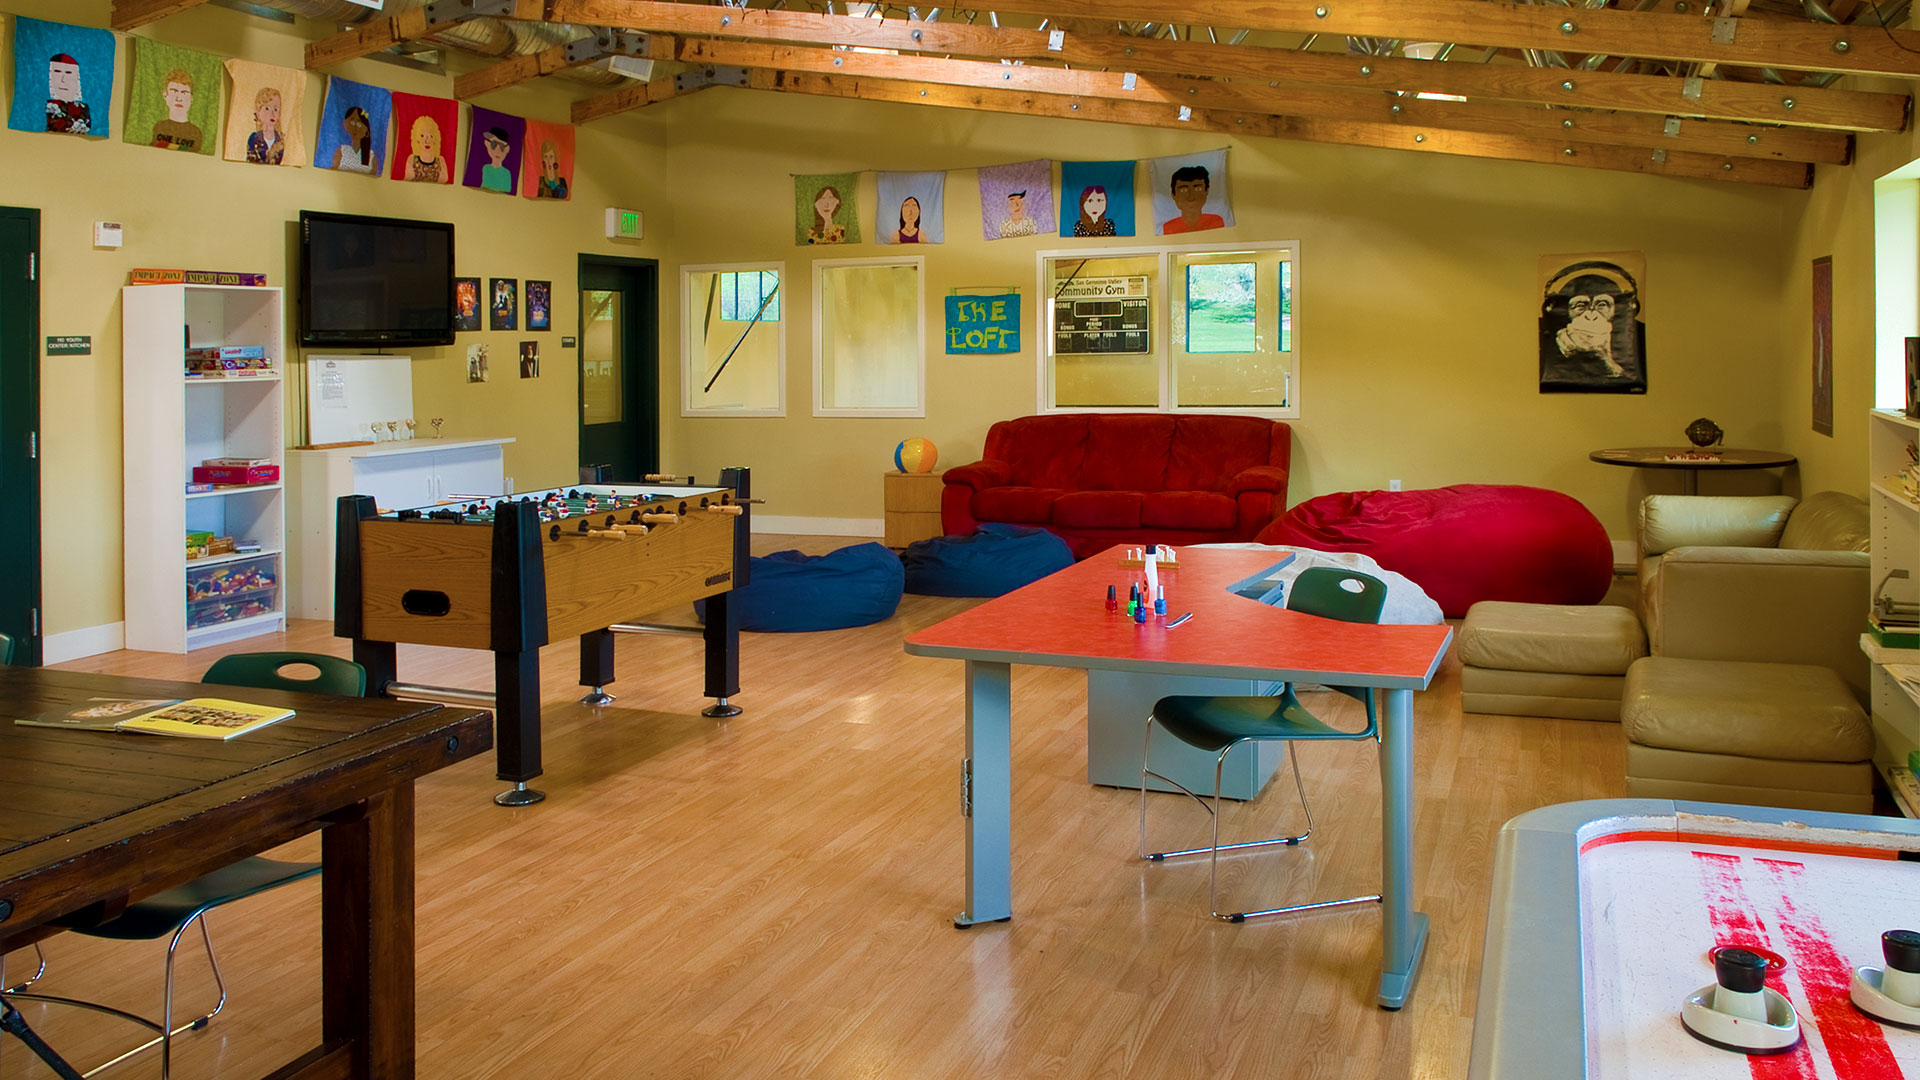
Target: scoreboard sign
<point x="1101" y="315"/>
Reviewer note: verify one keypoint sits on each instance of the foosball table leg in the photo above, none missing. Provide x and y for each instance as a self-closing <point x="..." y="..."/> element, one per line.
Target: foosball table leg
<point x="516" y="723"/>
<point x="596" y="665"/>
<point x="722" y="637"/>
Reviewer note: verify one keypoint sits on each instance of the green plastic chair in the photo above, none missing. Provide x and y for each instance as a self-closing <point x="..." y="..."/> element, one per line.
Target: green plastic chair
<point x="169" y="914"/>
<point x="6" y="648"/>
<point x="1218" y="724"/>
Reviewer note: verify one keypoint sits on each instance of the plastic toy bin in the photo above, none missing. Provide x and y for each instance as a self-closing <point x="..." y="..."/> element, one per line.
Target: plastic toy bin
<point x="233" y="590"/>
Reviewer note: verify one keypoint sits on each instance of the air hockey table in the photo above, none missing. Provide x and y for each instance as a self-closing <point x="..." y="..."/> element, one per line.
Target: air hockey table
<point x="1603" y="913"/>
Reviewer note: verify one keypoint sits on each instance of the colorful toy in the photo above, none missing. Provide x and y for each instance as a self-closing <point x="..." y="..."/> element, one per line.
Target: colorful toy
<point x="915" y="455"/>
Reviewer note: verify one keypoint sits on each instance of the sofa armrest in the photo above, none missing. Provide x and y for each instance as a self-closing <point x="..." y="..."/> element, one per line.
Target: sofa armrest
<point x="1259" y="478"/>
<point x="980" y="474"/>
<point x="1673" y="521"/>
<point x="1762" y="604"/>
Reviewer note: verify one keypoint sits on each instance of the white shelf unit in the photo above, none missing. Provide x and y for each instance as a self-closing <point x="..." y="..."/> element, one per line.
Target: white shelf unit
<point x="173" y="423"/>
<point x="1896" y="547"/>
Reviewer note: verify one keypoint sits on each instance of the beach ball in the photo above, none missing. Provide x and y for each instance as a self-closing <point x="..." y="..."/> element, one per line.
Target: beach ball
<point x="915" y="456"/>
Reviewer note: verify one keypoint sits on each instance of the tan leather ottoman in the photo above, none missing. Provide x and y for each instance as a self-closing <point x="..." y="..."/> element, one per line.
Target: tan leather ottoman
<point x="1547" y="659"/>
<point x="1789" y="735"/>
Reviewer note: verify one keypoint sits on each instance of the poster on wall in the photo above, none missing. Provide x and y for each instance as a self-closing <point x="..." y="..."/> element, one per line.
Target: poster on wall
<point x="983" y="324"/>
<point x="353" y="128"/>
<point x="529" y="359"/>
<point x="539" y="305"/>
<point x="1016" y="200"/>
<point x="1823" y="345"/>
<point x="493" y="150"/>
<point x="1190" y="193"/>
<point x="476" y="365"/>
<point x="466" y="303"/>
<point x="823" y="210"/>
<point x="62" y="78"/>
<point x="504" y="307"/>
<point x="546" y="161"/>
<point x="173" y="99"/>
<point x="1102" y="198"/>
<point x="1592" y="333"/>
<point x="423" y="129"/>
<point x="263" y="126"/>
<point x="911" y="208"/>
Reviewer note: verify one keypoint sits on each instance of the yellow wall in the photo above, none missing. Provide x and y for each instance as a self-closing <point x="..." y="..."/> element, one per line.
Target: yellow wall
<point x="197" y="212"/>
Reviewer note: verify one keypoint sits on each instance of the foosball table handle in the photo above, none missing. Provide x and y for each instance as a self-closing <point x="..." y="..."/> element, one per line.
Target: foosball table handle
<point x="726" y="508"/>
<point x="659" y="517"/>
<point x="606" y="534"/>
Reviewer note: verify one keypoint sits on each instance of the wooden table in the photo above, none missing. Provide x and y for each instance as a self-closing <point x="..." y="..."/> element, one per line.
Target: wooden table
<point x="1062" y="621"/>
<point x="93" y="820"/>
<point x="1656" y="457"/>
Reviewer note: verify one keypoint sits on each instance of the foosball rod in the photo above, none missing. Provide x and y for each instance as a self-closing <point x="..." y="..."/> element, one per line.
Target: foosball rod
<point x="657" y="628"/>
<point x="454" y="694"/>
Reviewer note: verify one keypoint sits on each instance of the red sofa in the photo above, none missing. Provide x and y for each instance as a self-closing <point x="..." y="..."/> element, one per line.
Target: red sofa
<point x="1100" y="479"/>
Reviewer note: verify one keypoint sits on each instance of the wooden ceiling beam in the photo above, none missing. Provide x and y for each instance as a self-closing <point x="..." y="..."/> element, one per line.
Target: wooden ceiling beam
<point x="638" y="96"/>
<point x="1316" y="103"/>
<point x="1664" y="95"/>
<point x="1778" y="43"/>
<point x="1505" y="148"/>
<point x="128" y="14"/>
<point x="381" y="33"/>
<point x="516" y="70"/>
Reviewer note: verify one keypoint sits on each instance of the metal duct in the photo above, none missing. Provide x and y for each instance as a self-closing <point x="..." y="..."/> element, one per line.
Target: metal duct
<point x="338" y="11"/>
<point x="483" y="37"/>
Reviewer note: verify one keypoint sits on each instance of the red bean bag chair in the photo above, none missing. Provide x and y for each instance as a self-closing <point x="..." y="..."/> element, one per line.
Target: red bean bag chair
<point x="1465" y="543"/>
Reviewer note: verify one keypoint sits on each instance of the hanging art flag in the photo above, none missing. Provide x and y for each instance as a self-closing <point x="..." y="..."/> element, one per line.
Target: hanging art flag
<point x="62" y="78"/>
<point x="1190" y="192"/>
<point x="353" y="127"/>
<point x="1016" y="199"/>
<point x="423" y="128"/>
<point x="493" y="150"/>
<point x="546" y="161"/>
<point x="174" y="98"/>
<point x="263" y="126"/>
<point x="1102" y="194"/>
<point x="911" y="208"/>
<point x="823" y="209"/>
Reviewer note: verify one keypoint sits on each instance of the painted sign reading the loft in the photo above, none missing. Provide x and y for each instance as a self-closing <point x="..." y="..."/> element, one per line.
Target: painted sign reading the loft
<point x="70" y="345"/>
<point x="983" y="324"/>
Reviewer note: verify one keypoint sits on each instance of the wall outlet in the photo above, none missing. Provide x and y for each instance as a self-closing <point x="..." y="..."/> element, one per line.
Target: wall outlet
<point x="1394" y="484"/>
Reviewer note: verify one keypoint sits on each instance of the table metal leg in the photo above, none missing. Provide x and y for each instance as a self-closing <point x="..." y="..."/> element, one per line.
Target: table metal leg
<point x="986" y="794"/>
<point x="1403" y="930"/>
<point x="1689" y="481"/>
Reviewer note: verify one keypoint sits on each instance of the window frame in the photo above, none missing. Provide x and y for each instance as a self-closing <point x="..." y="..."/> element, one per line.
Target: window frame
<point x="1161" y="345"/>
<point x="919" y="265"/>
<point x="689" y="378"/>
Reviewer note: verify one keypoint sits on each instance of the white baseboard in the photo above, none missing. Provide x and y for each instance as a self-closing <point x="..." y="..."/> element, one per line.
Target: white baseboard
<point x="817" y="526"/>
<point x="77" y="644"/>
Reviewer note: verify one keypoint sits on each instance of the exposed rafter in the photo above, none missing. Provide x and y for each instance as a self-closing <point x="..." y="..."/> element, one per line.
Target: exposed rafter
<point x="628" y="99"/>
<point x="525" y="68"/>
<point x="381" y="33"/>
<point x="128" y="14"/>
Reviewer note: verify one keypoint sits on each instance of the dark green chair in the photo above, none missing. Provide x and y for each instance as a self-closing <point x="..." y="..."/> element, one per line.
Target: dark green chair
<point x="1218" y="724"/>
<point x="169" y="914"/>
<point x="6" y="648"/>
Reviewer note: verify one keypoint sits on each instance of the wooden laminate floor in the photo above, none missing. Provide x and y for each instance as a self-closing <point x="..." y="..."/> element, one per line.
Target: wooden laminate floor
<point x="771" y="896"/>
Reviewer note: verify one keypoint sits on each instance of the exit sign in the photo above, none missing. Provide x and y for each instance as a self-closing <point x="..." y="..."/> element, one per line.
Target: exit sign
<point x="623" y="224"/>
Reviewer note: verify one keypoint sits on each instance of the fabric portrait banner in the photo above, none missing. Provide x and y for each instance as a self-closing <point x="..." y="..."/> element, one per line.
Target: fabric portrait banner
<point x="546" y="161"/>
<point x="911" y="208"/>
<point x="1096" y="198"/>
<point x="423" y="129"/>
<point x="1593" y="339"/>
<point x="173" y="101"/>
<point x="353" y="128"/>
<point x="1190" y="193"/>
<point x="1016" y="200"/>
<point x="494" y="141"/>
<point x="263" y="124"/>
<point x="823" y="209"/>
<point x="62" y="78"/>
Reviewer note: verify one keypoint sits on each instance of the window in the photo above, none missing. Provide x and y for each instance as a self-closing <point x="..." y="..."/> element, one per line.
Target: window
<point x="869" y="345"/>
<point x="734" y="353"/>
<point x="1193" y="328"/>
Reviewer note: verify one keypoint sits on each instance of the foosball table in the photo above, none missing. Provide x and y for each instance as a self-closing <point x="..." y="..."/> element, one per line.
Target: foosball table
<point x="513" y="574"/>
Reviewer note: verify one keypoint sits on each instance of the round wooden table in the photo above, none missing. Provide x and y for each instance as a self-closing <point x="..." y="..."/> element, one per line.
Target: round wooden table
<point x="1666" y="457"/>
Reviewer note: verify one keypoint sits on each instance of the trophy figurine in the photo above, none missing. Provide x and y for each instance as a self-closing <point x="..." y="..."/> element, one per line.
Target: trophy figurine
<point x="436" y="422"/>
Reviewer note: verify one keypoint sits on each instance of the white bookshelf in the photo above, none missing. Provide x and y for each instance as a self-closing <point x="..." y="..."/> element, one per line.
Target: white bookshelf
<point x="1896" y="547"/>
<point x="173" y="423"/>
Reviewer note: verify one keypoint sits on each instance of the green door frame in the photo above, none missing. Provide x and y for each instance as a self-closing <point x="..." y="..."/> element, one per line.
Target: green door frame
<point x="639" y="431"/>
<point x="20" y="430"/>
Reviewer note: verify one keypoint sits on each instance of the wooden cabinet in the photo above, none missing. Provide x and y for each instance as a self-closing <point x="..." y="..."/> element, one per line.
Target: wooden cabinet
<point x="912" y="507"/>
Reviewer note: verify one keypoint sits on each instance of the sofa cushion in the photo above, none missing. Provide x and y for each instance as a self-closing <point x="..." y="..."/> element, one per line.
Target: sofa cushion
<point x="1030" y="505"/>
<point x="1127" y="452"/>
<point x="1208" y="451"/>
<point x="1098" y="510"/>
<point x="1043" y="451"/>
<point x="1596" y="640"/>
<point x="1671" y="521"/>
<point x="1788" y="712"/>
<point x="1828" y="521"/>
<point x="1188" y="510"/>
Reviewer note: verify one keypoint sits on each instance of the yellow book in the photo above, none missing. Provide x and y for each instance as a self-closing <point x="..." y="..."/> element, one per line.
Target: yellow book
<point x="205" y="718"/>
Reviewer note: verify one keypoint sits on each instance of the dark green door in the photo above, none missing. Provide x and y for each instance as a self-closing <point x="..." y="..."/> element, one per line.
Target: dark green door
<point x="620" y="365"/>
<point x="20" y="431"/>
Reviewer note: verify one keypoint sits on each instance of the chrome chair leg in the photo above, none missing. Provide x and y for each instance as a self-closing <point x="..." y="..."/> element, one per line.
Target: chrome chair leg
<point x="1213" y="808"/>
<point x="6" y="988"/>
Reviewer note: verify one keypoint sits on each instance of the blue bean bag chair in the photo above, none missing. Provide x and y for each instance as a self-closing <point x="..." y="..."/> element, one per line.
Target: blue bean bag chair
<point x="991" y="561"/>
<point x="787" y="592"/>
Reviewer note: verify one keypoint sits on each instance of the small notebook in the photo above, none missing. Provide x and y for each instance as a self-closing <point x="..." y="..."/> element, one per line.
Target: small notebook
<point x="197" y="718"/>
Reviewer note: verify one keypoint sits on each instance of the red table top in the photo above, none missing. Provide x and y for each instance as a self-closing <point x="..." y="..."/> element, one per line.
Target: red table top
<point x="1062" y="621"/>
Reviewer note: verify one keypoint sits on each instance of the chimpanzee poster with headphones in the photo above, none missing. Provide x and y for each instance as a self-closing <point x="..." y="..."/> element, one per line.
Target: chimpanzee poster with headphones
<point x="1593" y="339"/>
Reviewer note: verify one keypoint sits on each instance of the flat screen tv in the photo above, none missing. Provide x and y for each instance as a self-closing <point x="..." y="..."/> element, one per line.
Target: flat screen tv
<point x="370" y="282"/>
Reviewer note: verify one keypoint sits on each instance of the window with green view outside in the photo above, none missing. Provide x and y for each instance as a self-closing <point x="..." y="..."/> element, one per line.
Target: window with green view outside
<point x="742" y="294"/>
<point x="1220" y="308"/>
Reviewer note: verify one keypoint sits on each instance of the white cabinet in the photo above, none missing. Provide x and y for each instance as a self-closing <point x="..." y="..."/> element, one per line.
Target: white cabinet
<point x="1896" y="573"/>
<point x="397" y="475"/>
<point x="173" y="422"/>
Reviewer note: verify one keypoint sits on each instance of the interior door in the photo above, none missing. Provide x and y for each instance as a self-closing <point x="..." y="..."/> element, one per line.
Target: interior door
<point x="20" y="431"/>
<point x="620" y="365"/>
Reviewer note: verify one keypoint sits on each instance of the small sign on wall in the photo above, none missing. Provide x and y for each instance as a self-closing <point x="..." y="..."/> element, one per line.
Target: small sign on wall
<point x="70" y="345"/>
<point x="983" y="324"/>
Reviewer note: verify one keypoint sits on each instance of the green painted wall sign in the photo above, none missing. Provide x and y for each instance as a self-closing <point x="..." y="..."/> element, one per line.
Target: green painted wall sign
<point x="70" y="345"/>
